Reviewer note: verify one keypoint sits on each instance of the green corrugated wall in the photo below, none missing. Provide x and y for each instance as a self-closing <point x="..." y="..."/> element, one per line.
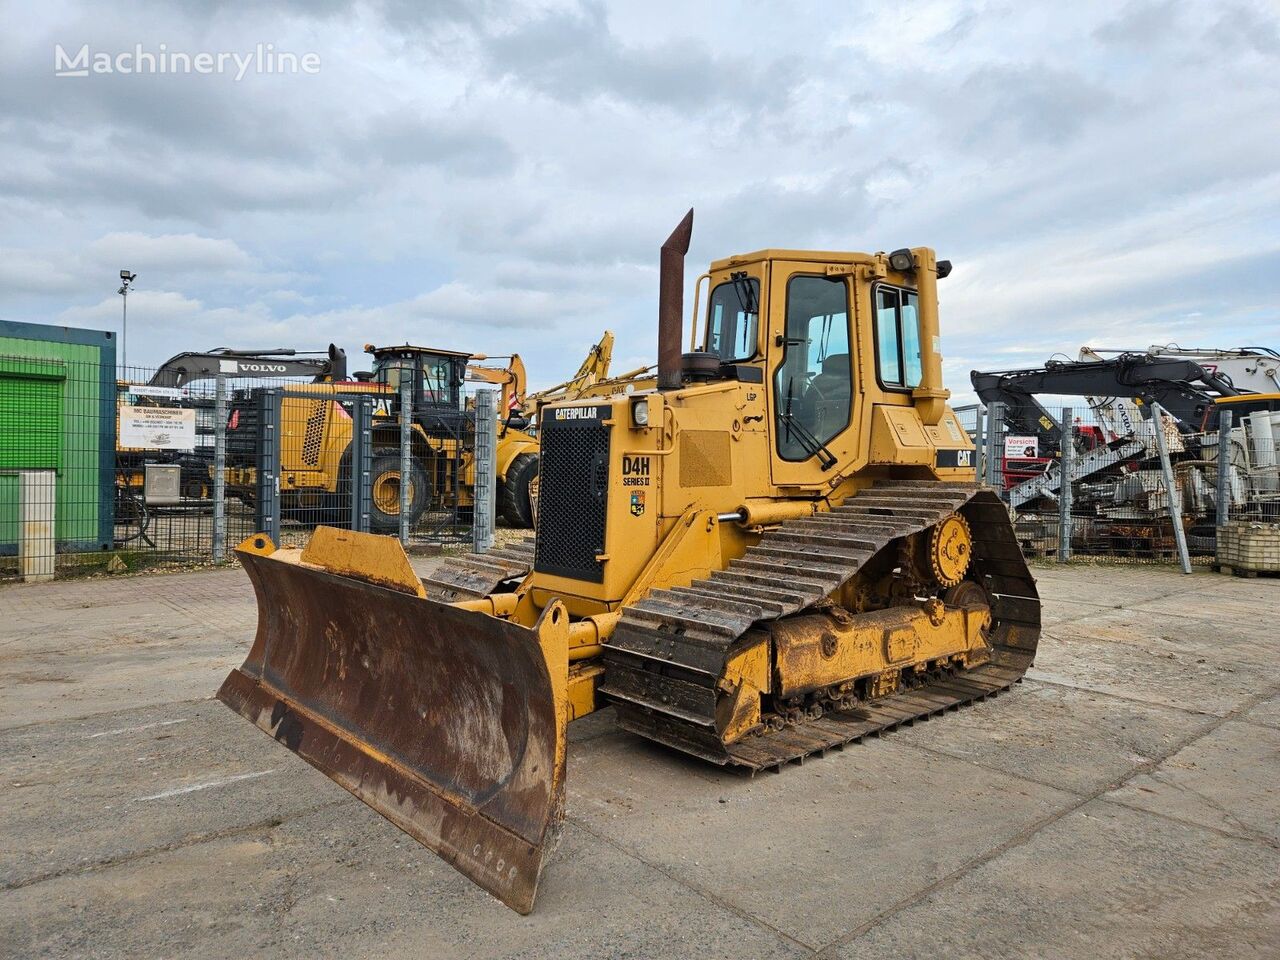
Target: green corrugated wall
<point x="51" y="416"/>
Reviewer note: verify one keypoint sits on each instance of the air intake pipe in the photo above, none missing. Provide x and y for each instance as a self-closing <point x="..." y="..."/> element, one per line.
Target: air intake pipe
<point x="671" y="303"/>
<point x="930" y="395"/>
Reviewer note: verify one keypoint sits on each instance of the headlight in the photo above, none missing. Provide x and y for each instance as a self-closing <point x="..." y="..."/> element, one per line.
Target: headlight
<point x="640" y="413"/>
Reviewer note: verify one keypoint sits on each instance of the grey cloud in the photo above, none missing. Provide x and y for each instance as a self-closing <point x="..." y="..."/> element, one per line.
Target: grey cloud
<point x="426" y="18"/>
<point x="202" y="113"/>
<point x="459" y="146"/>
<point x="208" y="9"/>
<point x="1240" y="27"/>
<point x="1036" y="103"/>
<point x="831" y="213"/>
<point x="470" y="165"/>
<point x="24" y="272"/>
<point x="168" y="184"/>
<point x="173" y="253"/>
<point x="1140" y="24"/>
<point x="575" y="56"/>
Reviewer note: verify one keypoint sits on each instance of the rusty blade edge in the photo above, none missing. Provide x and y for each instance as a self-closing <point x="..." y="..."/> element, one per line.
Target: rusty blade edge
<point x="384" y="760"/>
<point x="490" y="855"/>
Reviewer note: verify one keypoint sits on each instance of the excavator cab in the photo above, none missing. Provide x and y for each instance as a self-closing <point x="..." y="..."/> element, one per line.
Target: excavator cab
<point x="775" y="548"/>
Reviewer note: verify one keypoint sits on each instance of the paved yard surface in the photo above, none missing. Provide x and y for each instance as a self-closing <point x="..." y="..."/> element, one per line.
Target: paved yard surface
<point x="1124" y="801"/>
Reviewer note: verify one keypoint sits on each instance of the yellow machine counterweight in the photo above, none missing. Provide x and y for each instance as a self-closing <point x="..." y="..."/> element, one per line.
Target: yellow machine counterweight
<point x="773" y="548"/>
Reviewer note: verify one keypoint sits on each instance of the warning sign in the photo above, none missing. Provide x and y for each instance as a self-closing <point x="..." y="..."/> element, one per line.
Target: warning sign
<point x="1019" y="448"/>
<point x="157" y="428"/>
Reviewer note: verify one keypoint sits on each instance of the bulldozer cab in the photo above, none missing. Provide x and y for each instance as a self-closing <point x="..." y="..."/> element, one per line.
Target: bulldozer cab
<point x="838" y="343"/>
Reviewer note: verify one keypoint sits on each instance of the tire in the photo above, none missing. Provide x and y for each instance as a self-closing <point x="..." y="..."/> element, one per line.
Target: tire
<point x="513" y="494"/>
<point x="384" y="480"/>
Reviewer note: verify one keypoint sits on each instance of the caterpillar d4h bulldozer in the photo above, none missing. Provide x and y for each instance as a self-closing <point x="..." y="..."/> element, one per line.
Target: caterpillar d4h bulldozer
<point x="777" y="550"/>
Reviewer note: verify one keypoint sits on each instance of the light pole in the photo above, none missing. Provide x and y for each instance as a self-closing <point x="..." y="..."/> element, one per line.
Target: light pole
<point x="126" y="278"/>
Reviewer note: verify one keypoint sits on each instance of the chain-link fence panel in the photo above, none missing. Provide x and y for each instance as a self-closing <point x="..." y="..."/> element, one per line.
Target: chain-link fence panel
<point x="106" y="470"/>
<point x="1143" y="487"/>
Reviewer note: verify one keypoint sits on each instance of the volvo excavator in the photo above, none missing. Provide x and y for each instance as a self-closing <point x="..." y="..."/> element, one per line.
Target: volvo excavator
<point x="182" y="370"/>
<point x="777" y="550"/>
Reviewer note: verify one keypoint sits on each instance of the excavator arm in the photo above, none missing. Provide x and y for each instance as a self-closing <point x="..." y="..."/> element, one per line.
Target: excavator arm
<point x="512" y="379"/>
<point x="593" y="369"/>
<point x="1182" y="387"/>
<point x="185" y="368"/>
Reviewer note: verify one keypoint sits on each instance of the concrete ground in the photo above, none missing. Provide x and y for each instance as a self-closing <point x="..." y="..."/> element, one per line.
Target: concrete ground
<point x="1122" y="802"/>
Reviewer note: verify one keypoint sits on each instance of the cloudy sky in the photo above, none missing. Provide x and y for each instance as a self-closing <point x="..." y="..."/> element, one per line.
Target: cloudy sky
<point x="486" y="176"/>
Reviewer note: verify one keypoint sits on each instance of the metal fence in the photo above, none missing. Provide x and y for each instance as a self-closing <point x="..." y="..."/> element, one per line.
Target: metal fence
<point x="101" y="471"/>
<point x="1082" y="482"/>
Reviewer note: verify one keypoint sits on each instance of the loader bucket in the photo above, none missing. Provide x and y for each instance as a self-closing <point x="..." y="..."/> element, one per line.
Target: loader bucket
<point x="449" y="723"/>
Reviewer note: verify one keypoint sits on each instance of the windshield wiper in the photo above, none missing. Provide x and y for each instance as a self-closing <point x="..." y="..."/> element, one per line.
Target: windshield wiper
<point x="746" y="293"/>
<point x="812" y="445"/>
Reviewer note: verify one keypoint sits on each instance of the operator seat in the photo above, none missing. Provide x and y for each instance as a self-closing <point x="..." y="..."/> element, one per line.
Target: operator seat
<point x="829" y="394"/>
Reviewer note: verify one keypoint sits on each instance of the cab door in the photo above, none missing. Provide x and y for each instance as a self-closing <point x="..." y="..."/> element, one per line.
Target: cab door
<point x="813" y="400"/>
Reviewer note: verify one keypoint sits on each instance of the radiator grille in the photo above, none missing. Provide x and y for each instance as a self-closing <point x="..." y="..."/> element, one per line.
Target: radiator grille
<point x="573" y="492"/>
<point x="705" y="460"/>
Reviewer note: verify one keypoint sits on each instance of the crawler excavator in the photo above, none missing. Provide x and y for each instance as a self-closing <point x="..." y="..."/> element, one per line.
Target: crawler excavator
<point x="777" y="550"/>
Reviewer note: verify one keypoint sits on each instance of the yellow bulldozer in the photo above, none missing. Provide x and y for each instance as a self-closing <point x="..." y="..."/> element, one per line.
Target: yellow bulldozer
<point x="315" y="441"/>
<point x="777" y="550"/>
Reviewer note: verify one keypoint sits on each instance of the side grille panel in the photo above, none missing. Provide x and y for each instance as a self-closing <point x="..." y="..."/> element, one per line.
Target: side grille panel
<point x="573" y="490"/>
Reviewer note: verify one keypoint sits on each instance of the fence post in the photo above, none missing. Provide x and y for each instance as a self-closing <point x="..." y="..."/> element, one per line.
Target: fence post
<point x="979" y="443"/>
<point x="220" y="469"/>
<point x="1067" y="453"/>
<point x="1170" y="487"/>
<point x="1224" y="468"/>
<point x="406" y="455"/>
<point x="361" y="461"/>
<point x="267" y="499"/>
<point x="995" y="419"/>
<point x="486" y="485"/>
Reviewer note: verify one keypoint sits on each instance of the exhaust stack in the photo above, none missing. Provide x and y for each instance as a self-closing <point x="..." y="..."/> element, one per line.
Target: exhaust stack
<point x="671" y="303"/>
<point x="337" y="363"/>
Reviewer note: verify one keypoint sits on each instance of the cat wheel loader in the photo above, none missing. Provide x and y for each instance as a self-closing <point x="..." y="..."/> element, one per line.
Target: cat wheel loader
<point x="777" y="550"/>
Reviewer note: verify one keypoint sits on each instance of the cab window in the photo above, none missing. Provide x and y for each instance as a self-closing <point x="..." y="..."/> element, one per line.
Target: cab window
<point x="733" y="313"/>
<point x="897" y="337"/>
<point x="812" y="386"/>
<point x="437" y="381"/>
<point x="389" y="372"/>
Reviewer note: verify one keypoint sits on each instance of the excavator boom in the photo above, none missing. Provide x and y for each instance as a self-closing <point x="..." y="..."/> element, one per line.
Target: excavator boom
<point x="185" y="368"/>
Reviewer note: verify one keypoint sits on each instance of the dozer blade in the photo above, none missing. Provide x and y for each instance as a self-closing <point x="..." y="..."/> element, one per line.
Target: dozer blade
<point x="449" y="723"/>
